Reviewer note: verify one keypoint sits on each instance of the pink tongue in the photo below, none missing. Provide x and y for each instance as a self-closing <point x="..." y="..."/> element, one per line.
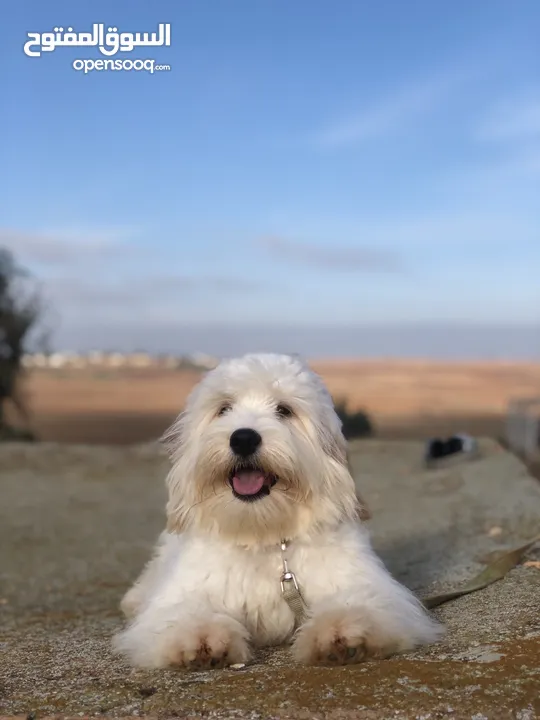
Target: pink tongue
<point x="248" y="482"/>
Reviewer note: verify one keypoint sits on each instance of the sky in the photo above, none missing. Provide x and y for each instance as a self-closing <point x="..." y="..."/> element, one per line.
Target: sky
<point x="342" y="177"/>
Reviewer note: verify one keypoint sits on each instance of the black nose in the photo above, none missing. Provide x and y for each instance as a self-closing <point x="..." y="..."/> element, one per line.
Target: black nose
<point x="245" y="441"/>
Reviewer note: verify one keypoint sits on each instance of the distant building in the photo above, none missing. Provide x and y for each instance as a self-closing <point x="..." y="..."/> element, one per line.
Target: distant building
<point x="201" y="360"/>
<point x="117" y="360"/>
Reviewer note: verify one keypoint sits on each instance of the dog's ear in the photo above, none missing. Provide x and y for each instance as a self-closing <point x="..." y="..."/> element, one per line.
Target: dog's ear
<point x="177" y="508"/>
<point x="336" y="447"/>
<point x="177" y="519"/>
<point x="174" y="440"/>
<point x="339" y="450"/>
<point x="173" y="437"/>
<point x="362" y="510"/>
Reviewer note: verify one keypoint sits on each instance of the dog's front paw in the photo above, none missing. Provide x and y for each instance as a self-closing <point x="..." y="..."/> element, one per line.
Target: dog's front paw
<point x="213" y="642"/>
<point x="334" y="637"/>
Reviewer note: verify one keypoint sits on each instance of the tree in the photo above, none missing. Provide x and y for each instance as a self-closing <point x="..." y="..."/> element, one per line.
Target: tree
<point x="355" y="424"/>
<point x="20" y="310"/>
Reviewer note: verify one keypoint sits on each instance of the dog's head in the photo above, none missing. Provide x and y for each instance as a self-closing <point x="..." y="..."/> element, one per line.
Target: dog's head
<point x="258" y="454"/>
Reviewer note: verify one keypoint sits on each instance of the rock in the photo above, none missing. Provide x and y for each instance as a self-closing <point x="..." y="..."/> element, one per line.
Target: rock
<point x="77" y="523"/>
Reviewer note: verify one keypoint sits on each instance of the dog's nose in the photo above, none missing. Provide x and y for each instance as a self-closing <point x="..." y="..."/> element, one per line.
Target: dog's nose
<point x="245" y="441"/>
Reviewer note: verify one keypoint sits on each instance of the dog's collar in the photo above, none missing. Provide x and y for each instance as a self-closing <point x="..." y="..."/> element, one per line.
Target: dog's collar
<point x="290" y="589"/>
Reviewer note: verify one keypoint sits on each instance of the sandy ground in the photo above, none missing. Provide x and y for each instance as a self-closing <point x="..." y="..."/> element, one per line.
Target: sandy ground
<point x="406" y="399"/>
<point x="78" y="522"/>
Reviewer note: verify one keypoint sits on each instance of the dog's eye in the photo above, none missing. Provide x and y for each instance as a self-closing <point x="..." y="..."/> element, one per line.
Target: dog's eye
<point x="224" y="408"/>
<point x="284" y="411"/>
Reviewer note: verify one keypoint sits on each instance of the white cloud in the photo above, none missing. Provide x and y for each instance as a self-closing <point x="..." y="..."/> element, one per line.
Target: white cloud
<point x="388" y="244"/>
<point x="64" y="247"/>
<point x="512" y="120"/>
<point x="353" y="259"/>
<point x="102" y="277"/>
<point x="76" y="301"/>
<point x="390" y="113"/>
<point x="133" y="294"/>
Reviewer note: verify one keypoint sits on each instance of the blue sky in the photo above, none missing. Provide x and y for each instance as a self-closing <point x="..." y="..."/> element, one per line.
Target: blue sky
<point x="303" y="164"/>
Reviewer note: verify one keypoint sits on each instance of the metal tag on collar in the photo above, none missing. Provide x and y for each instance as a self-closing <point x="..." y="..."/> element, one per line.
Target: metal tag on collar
<point x="287" y="576"/>
<point x="290" y="590"/>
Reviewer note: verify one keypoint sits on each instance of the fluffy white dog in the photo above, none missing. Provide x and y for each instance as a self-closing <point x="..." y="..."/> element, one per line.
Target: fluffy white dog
<point x="264" y="542"/>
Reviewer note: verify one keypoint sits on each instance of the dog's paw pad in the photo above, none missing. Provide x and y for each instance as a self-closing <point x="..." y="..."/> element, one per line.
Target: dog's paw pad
<point x="341" y="652"/>
<point x="203" y="662"/>
<point x="206" y="658"/>
<point x="209" y="644"/>
<point x="336" y="637"/>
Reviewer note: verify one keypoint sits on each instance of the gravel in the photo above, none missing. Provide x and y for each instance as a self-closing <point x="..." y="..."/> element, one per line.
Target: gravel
<point x="77" y="523"/>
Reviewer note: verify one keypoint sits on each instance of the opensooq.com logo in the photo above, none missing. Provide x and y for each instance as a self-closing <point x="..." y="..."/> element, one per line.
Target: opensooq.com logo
<point x="108" y="43"/>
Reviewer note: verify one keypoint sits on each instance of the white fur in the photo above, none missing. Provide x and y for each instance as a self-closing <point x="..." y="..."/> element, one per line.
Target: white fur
<point x="212" y="590"/>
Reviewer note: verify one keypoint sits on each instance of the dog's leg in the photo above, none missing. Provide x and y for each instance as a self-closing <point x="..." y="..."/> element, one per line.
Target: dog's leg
<point x="193" y="637"/>
<point x="139" y="592"/>
<point x="366" y="614"/>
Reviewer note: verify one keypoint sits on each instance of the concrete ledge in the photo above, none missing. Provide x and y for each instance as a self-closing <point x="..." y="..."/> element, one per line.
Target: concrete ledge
<point x="76" y="524"/>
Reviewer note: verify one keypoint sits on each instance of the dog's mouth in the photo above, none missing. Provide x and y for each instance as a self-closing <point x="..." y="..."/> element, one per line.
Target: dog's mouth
<point x="250" y="482"/>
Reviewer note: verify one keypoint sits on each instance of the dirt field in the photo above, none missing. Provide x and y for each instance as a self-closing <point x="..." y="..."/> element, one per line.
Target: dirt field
<point x="407" y="399"/>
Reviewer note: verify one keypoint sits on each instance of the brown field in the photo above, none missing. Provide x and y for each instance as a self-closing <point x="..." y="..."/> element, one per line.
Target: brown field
<point x="404" y="398"/>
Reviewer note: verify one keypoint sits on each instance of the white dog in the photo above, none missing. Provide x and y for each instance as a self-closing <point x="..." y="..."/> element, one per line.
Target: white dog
<point x="263" y="543"/>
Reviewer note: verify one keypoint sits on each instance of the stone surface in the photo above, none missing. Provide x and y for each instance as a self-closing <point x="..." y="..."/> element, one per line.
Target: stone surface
<point x="77" y="523"/>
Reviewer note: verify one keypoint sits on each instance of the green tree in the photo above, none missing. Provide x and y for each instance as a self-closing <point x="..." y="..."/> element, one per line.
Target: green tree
<point x="20" y="311"/>
<point x="354" y="424"/>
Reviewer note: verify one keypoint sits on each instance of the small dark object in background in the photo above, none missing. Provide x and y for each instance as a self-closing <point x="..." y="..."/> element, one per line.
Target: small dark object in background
<point x="438" y="449"/>
<point x="453" y="445"/>
<point x="354" y="424"/>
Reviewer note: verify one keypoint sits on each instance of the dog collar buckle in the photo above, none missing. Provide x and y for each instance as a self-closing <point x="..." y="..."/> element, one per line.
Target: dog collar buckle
<point x="291" y="590"/>
<point x="288" y="577"/>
